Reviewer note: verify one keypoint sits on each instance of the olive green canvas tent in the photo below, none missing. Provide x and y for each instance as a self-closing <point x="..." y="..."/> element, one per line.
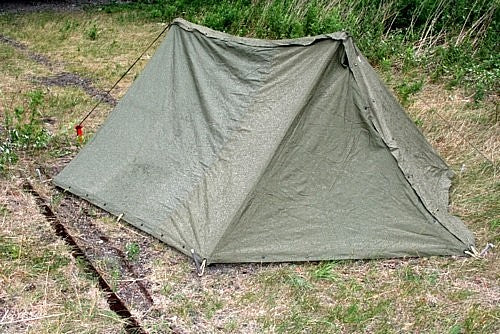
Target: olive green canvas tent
<point x="251" y="150"/>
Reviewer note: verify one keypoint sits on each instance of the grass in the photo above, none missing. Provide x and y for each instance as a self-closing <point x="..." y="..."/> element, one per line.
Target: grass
<point x="437" y="82"/>
<point x="38" y="277"/>
<point x="23" y="130"/>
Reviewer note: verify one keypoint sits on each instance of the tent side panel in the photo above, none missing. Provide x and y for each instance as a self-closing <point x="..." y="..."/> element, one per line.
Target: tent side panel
<point x="165" y="134"/>
<point x="424" y="169"/>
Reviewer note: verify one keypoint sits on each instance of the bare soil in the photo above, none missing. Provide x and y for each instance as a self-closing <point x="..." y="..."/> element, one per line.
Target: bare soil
<point x="66" y="79"/>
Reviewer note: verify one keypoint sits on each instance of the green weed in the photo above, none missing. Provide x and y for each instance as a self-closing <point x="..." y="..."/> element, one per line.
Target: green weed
<point x="115" y="277"/>
<point x="248" y="298"/>
<point x="231" y="326"/>
<point x="357" y="315"/>
<point x="92" y="33"/>
<point x="48" y="261"/>
<point x="184" y="307"/>
<point x="210" y="305"/>
<point x="9" y="250"/>
<point x="7" y="156"/>
<point x="298" y="282"/>
<point x="69" y="25"/>
<point x="406" y="89"/>
<point x="409" y="275"/>
<point x="495" y="224"/>
<point x="132" y="250"/>
<point x="325" y="271"/>
<point x="418" y="122"/>
<point x="460" y="295"/>
<point x="84" y="269"/>
<point x="166" y="289"/>
<point x="24" y="130"/>
<point x="456" y="329"/>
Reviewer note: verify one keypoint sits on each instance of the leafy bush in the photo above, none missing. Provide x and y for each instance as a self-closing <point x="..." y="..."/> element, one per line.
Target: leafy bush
<point x="23" y="130"/>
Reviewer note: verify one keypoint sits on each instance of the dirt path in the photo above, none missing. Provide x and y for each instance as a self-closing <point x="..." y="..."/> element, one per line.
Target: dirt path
<point x="65" y="79"/>
<point x="36" y="57"/>
<point x="61" y="77"/>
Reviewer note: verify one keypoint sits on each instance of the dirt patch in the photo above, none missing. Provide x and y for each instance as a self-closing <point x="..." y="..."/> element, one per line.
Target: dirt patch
<point x="67" y="79"/>
<point x="36" y="57"/>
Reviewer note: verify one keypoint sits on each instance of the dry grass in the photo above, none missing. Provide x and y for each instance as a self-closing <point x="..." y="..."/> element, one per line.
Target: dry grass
<point x="455" y="124"/>
<point x="467" y="136"/>
<point x="39" y="278"/>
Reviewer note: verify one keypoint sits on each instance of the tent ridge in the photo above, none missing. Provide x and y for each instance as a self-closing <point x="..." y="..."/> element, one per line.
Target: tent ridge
<point x="265" y="43"/>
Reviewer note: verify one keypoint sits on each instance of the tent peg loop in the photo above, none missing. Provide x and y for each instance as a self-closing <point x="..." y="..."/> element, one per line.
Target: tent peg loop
<point x="200" y="267"/>
<point x="485" y="250"/>
<point x="472" y="252"/>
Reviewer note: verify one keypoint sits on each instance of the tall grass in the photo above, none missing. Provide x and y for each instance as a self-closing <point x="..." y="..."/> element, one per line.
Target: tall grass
<point x="455" y="39"/>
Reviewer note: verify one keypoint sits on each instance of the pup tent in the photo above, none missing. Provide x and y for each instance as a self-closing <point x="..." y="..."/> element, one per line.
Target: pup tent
<point x="249" y="150"/>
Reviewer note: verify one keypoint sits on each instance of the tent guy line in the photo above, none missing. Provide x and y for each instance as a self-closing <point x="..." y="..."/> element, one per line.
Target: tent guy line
<point x="79" y="126"/>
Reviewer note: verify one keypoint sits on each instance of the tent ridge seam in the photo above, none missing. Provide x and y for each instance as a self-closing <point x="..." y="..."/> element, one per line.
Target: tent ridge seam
<point x="302" y="41"/>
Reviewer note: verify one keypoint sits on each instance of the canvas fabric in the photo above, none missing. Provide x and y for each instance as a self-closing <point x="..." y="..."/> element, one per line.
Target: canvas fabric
<point x="251" y="150"/>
